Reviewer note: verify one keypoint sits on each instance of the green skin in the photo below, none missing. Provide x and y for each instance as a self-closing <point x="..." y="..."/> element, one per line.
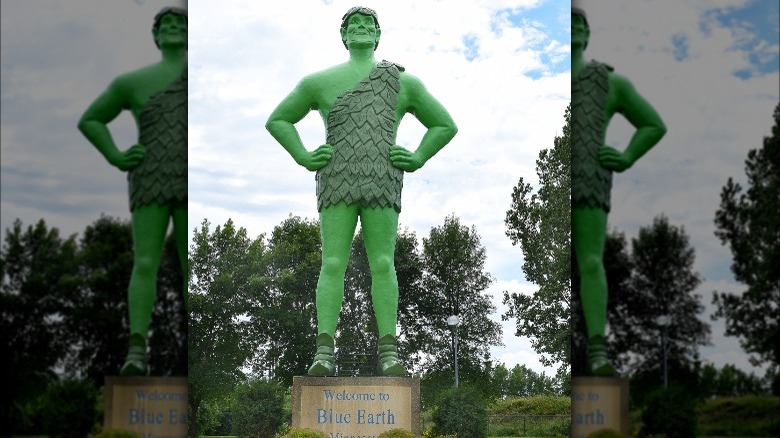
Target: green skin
<point x="338" y="222"/>
<point x="150" y="222"/>
<point x="589" y="225"/>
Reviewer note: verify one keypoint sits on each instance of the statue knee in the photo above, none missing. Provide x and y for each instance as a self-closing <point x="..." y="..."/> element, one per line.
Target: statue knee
<point x="146" y="266"/>
<point x="333" y="266"/>
<point x="591" y="265"/>
<point x="382" y="266"/>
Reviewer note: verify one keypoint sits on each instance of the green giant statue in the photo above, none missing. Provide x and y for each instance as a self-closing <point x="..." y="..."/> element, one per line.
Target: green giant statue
<point x="597" y="94"/>
<point x="360" y="172"/>
<point x="156" y="95"/>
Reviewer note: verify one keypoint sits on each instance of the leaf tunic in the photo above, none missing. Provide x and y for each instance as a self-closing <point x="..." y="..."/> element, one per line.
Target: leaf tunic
<point x="162" y="175"/>
<point x="591" y="182"/>
<point x="361" y="130"/>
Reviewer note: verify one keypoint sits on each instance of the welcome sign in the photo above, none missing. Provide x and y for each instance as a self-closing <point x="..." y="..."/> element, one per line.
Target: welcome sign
<point x="150" y="406"/>
<point x="598" y="403"/>
<point x="344" y="407"/>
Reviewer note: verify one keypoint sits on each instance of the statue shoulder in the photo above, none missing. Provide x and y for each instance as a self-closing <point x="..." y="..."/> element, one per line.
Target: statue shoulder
<point x="601" y="65"/>
<point x="389" y="64"/>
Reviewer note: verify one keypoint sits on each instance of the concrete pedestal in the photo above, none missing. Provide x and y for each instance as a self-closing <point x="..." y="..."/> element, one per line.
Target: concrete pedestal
<point x="151" y="406"/>
<point x="598" y="403"/>
<point x="356" y="406"/>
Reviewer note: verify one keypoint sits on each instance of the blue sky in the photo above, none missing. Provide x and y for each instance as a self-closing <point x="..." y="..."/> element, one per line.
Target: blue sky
<point x="711" y="70"/>
<point x="500" y="68"/>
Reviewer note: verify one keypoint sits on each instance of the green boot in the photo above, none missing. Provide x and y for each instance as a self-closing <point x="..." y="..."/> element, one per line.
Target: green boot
<point x="598" y="364"/>
<point x="135" y="364"/>
<point x="388" y="363"/>
<point x="324" y="361"/>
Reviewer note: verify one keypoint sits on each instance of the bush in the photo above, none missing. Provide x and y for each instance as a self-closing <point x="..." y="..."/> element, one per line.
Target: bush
<point x="461" y="411"/>
<point x="606" y="433"/>
<point x="671" y="412"/>
<point x="68" y="408"/>
<point x="257" y="409"/>
<point x="397" y="433"/>
<point x="117" y="433"/>
<point x="303" y="433"/>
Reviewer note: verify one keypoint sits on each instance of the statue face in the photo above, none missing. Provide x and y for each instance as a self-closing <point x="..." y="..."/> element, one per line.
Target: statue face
<point x="580" y="33"/>
<point x="361" y="31"/>
<point x="172" y="31"/>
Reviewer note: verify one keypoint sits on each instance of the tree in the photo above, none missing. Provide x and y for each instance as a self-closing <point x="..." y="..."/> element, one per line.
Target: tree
<point x="35" y="267"/>
<point x="662" y="283"/>
<point x="257" y="409"/>
<point x="95" y="307"/>
<point x="453" y="282"/>
<point x="540" y="222"/>
<point x="748" y="222"/>
<point x="285" y="315"/>
<point x="226" y="273"/>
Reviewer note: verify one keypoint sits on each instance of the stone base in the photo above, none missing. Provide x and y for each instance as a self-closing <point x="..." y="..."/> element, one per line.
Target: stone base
<point x="598" y="403"/>
<point x="149" y="406"/>
<point x="356" y="406"/>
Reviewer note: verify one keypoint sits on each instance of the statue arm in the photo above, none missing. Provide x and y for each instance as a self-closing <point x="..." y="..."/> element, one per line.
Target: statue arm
<point x="281" y="125"/>
<point x="432" y="114"/>
<point x="649" y="127"/>
<point x="94" y="125"/>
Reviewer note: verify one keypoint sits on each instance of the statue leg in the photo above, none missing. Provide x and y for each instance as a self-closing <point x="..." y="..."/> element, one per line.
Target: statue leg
<point x="337" y="229"/>
<point x="380" y="230"/>
<point x="180" y="234"/>
<point x="589" y="229"/>
<point x="150" y="223"/>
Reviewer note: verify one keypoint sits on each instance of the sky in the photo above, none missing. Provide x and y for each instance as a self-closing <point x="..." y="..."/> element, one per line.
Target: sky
<point x="57" y="57"/>
<point x="501" y="68"/>
<point x="711" y="70"/>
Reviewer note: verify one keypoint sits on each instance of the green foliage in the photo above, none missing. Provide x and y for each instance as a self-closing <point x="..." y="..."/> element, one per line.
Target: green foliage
<point x="303" y="433"/>
<point x="536" y="405"/>
<point x="748" y="222"/>
<point x="751" y="415"/>
<point x="257" y="409"/>
<point x="34" y="262"/>
<point x="729" y="381"/>
<point x="670" y="411"/>
<point x="397" y="433"/>
<point x="655" y="279"/>
<point x="453" y="282"/>
<point x="606" y="433"/>
<point x="223" y="285"/>
<point x="68" y="408"/>
<point x="540" y="222"/>
<point x="285" y="316"/>
<point x="461" y="411"/>
<point x="116" y="433"/>
<point x="64" y="301"/>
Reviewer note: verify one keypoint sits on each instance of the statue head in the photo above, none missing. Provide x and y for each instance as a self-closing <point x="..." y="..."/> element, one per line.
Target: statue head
<point x="580" y="29"/>
<point x="170" y="19"/>
<point x="363" y="27"/>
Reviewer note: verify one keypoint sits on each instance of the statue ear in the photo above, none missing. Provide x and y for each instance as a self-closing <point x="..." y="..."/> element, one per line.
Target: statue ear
<point x="343" y="32"/>
<point x="378" y="34"/>
<point x="155" y="32"/>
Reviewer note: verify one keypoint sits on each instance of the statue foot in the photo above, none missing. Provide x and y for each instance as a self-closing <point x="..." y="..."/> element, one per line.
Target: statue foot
<point x="388" y="363"/>
<point x="324" y="360"/>
<point x="135" y="364"/>
<point x="598" y="364"/>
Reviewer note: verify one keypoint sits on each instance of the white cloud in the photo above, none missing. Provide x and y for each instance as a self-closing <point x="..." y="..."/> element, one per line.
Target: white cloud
<point x="245" y="59"/>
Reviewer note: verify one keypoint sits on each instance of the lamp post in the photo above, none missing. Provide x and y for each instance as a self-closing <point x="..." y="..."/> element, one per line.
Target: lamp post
<point x="453" y="321"/>
<point x="664" y="321"/>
